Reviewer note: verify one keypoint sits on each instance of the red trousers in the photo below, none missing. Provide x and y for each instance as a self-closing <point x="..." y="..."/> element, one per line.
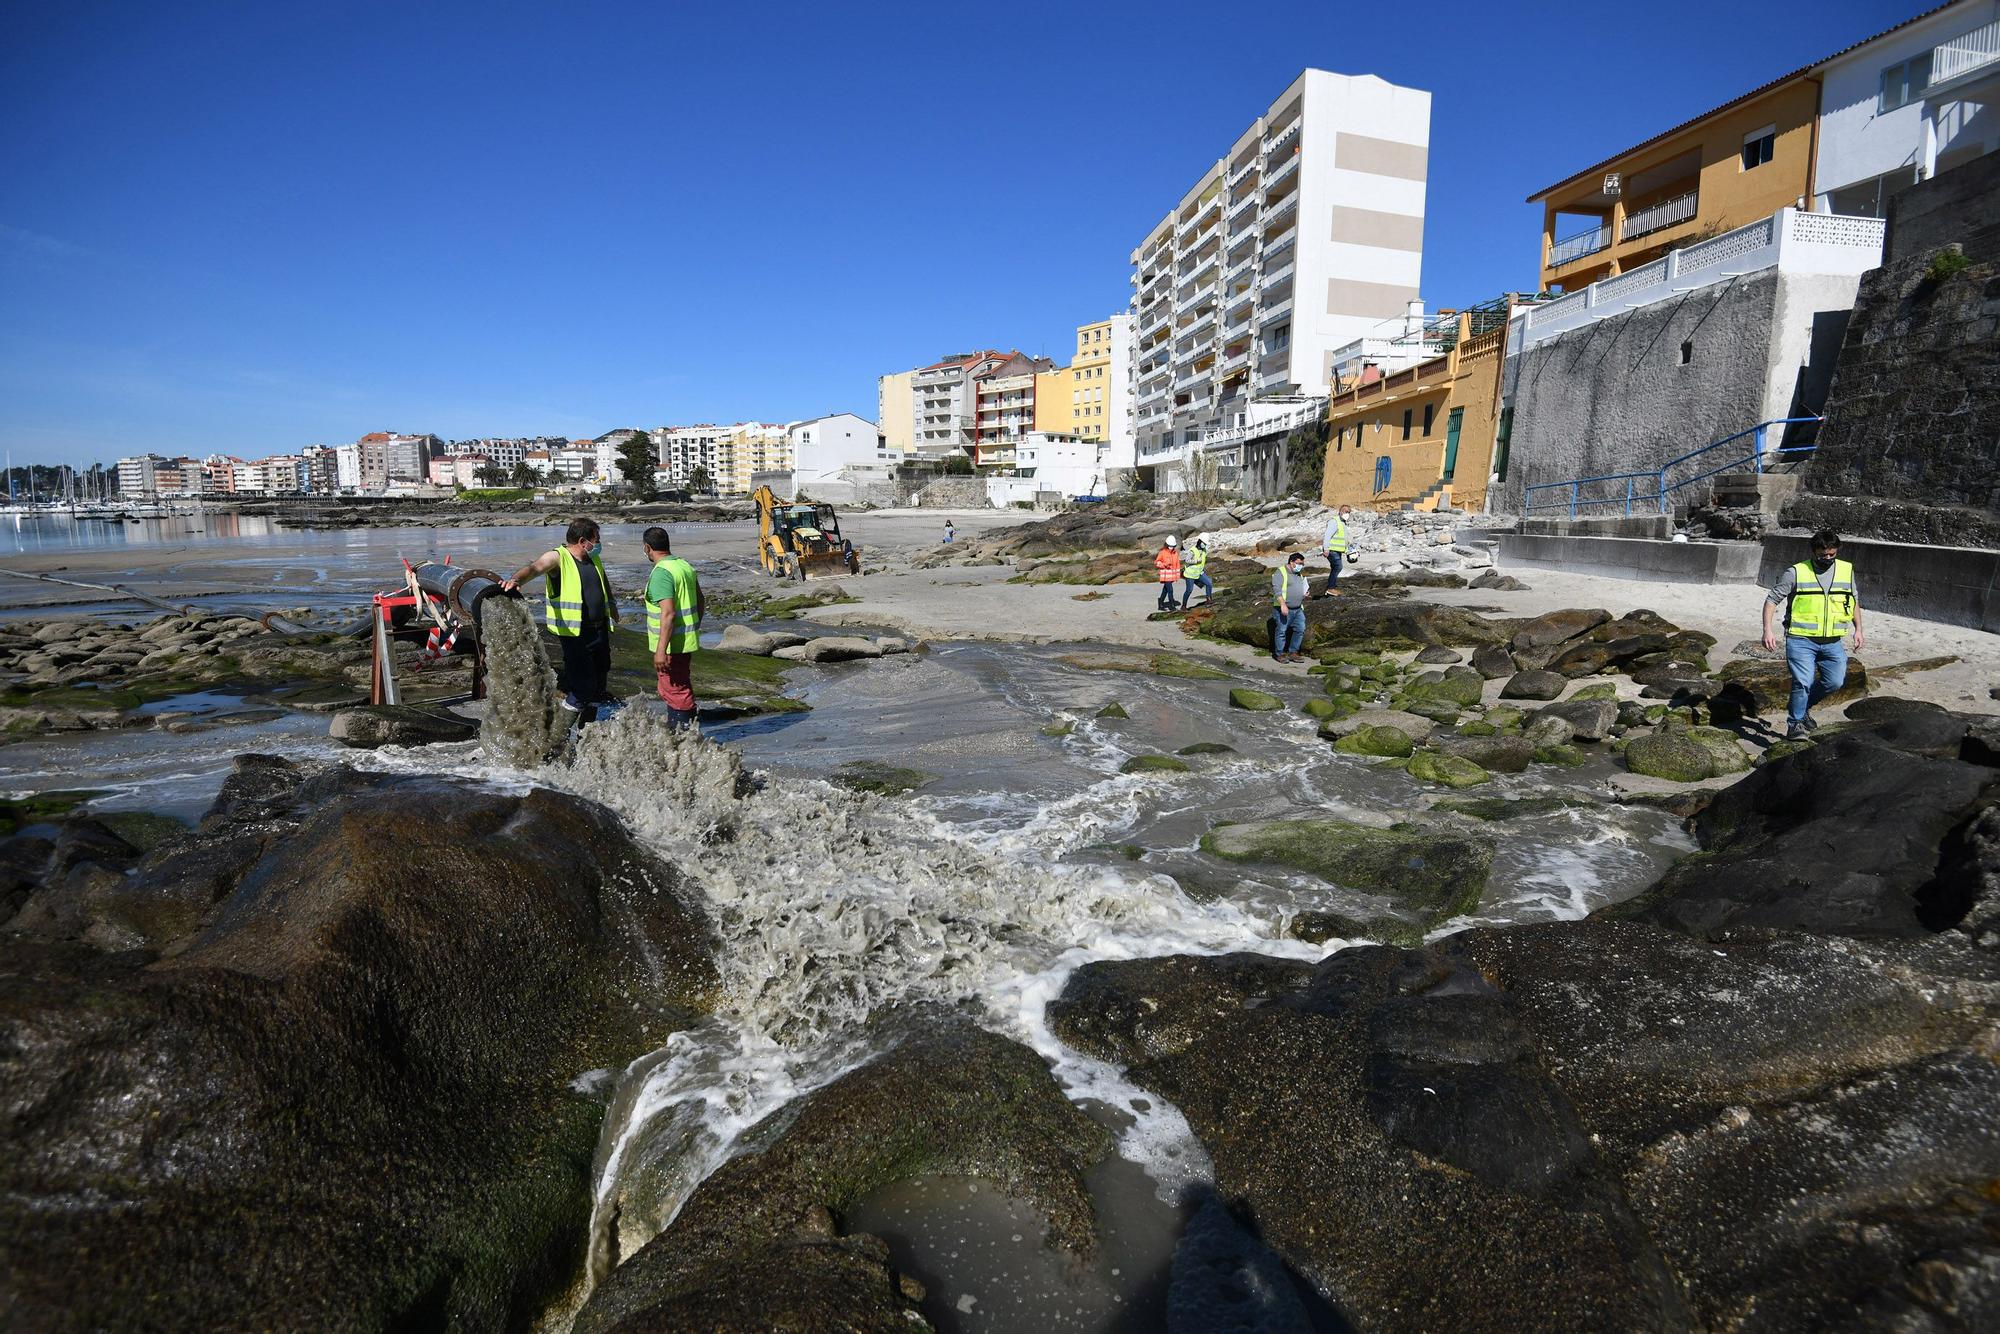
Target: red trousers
<point x="677" y="681"/>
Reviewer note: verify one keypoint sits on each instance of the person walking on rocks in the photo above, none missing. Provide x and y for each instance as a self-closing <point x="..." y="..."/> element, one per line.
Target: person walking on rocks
<point x="1194" y="570"/>
<point x="1168" y="563"/>
<point x="674" y="610"/>
<point x="950" y="534"/>
<point x="1288" y="609"/>
<point x="580" y="612"/>
<point x="1334" y="542"/>
<point x="1821" y="602"/>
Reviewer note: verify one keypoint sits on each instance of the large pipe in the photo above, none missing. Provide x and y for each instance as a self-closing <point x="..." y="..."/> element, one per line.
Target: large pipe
<point x="461" y="587"/>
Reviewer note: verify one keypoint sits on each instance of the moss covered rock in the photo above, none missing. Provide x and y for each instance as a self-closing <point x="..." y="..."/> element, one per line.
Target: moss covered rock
<point x="1320" y="708"/>
<point x="1387" y="742"/>
<point x="874" y="776"/>
<point x="1434" y="873"/>
<point x="1461" y="686"/>
<point x="1434" y="767"/>
<point x="1207" y="748"/>
<point x="1675" y="756"/>
<point x="1566" y="755"/>
<point x="1597" y="690"/>
<point x="1113" y="710"/>
<point x="1153" y="764"/>
<point x="1243" y="697"/>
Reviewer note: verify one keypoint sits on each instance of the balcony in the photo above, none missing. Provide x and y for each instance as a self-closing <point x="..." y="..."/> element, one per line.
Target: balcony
<point x="1575" y="247"/>
<point x="1657" y="217"/>
<point x="1237" y="173"/>
<point x="1282" y="171"/>
<point x="1280" y="215"/>
<point x="1964" y="57"/>
<point x="1272" y="310"/>
<point x="1289" y="134"/>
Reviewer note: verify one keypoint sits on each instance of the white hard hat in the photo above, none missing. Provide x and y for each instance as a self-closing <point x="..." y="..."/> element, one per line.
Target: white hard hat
<point x="1173" y="541"/>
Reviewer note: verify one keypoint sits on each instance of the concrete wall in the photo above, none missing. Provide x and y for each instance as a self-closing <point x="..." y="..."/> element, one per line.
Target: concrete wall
<point x="1615" y="396"/>
<point x="1911" y="446"/>
<point x="1956" y="585"/>
<point x="1633" y="558"/>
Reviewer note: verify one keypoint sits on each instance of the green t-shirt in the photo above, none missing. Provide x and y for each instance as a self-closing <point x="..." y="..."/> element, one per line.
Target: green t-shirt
<point x="660" y="588"/>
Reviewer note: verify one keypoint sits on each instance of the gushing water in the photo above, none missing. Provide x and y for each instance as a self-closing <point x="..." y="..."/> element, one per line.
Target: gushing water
<point x="524" y="725"/>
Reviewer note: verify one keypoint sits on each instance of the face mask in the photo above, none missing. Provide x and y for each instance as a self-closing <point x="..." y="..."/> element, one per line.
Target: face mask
<point x="1821" y="562"/>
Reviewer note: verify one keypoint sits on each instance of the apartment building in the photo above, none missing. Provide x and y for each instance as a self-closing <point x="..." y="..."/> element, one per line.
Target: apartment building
<point x="750" y="447"/>
<point x="1003" y="398"/>
<point x="893" y="417"/>
<point x="1831" y="137"/>
<point x="943" y="400"/>
<point x="1091" y="397"/>
<point x="682" y="449"/>
<point x="1303" y="235"/>
<point x="218" y="474"/>
<point x="137" y="476"/>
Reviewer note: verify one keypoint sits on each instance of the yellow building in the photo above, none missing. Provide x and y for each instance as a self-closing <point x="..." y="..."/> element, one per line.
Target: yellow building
<point x="1737" y="164"/>
<point x="1080" y="399"/>
<point x="895" y="412"/>
<point x="1424" y="435"/>
<point x="750" y="448"/>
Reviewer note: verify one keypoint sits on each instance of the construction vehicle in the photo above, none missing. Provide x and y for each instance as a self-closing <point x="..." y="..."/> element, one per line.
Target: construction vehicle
<point x="801" y="540"/>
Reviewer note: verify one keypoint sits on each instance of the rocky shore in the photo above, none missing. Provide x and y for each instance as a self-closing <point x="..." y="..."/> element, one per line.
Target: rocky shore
<point x="491" y="514"/>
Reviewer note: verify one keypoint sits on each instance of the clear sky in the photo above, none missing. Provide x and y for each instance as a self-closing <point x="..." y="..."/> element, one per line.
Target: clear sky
<point x="251" y="227"/>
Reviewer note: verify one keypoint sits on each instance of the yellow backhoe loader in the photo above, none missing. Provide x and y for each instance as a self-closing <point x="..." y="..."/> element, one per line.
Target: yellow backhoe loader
<point x="801" y="541"/>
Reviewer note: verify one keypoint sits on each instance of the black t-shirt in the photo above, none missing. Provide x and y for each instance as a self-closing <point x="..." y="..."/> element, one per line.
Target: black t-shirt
<point x="594" y="610"/>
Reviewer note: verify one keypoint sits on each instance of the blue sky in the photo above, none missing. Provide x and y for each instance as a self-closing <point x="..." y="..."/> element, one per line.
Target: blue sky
<point x="250" y="227"/>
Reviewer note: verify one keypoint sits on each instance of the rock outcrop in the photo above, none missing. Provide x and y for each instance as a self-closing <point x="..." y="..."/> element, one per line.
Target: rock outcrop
<point x="321" y="1075"/>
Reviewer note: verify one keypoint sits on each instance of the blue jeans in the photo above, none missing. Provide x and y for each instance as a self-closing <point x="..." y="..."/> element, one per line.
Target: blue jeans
<point x="1188" y="586"/>
<point x="1819" y="667"/>
<point x="1334" y="560"/>
<point x="1288" y="631"/>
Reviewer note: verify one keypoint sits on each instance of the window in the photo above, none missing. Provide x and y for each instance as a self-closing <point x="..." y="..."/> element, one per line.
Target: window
<point x="1904" y="83"/>
<point x="1757" y="146"/>
<point x="1430" y="409"/>
<point x="1687" y="352"/>
<point x="1408" y="417"/>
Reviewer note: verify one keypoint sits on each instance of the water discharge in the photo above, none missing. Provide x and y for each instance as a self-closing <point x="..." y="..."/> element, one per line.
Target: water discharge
<point x="524" y="725"/>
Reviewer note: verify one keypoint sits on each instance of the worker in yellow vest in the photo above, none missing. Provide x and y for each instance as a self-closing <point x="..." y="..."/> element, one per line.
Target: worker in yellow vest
<point x="1822" y="602"/>
<point x="673" y="625"/>
<point x="580" y="612"/>
<point x="1334" y="540"/>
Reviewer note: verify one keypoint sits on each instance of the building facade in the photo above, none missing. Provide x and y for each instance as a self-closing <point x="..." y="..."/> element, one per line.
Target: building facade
<point x="1305" y="233"/>
<point x="1915" y="101"/>
<point x="1422" y="436"/>
<point x="823" y="446"/>
<point x="894" y="418"/>
<point x="943" y="400"/>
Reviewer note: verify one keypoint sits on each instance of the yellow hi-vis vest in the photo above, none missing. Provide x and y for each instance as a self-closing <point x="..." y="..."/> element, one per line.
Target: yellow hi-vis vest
<point x="563" y="611"/>
<point x="1820" y="614"/>
<point x="684" y="637"/>
<point x="1338" y="542"/>
<point x="1193" y="563"/>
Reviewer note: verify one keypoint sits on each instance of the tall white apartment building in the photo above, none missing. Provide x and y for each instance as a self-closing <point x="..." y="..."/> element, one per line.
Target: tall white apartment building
<point x="943" y="403"/>
<point x="682" y="449"/>
<point x="1299" y="239"/>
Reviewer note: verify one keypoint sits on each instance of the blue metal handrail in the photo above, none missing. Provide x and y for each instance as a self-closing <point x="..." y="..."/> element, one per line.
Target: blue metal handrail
<point x="1661" y="490"/>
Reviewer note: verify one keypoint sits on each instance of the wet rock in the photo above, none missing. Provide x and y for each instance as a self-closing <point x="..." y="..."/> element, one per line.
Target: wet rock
<point x="1510" y="808"/>
<point x="1383" y="742"/>
<point x="887" y="780"/>
<point x="1415" y="726"/>
<point x="840" y="648"/>
<point x="1255" y="700"/>
<point x="892" y="645"/>
<point x="1153" y="764"/>
<point x="1840" y="838"/>
<point x="1492" y="661"/>
<point x="1501" y="1153"/>
<point x="373" y="725"/>
<point x="1207" y="748"/>
<point x="1113" y="710"/>
<point x="1439" y="654"/>
<point x="1589" y="719"/>
<point x="1675" y="756"/>
<point x="743" y="1253"/>
<point x="1461" y="686"/>
<point x="1547" y="729"/>
<point x="1500" y="754"/>
<point x="1534" y="685"/>
<point x="1433" y="874"/>
<point x="742" y="639"/>
<point x="790" y="652"/>
<point x="346" y="1101"/>
<point x="1451" y="770"/>
<point x="1557" y="626"/>
<point x="1225" y="1279"/>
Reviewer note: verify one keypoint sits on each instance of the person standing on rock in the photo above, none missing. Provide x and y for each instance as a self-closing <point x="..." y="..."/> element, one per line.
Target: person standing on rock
<point x="1821" y="602"/>
<point x="1194" y="570"/>
<point x="1288" y="609"/>
<point x="674" y="610"/>
<point x="950" y="534"/>
<point x="1334" y="542"/>
<point x="1168" y="563"/>
<point x="580" y="612"/>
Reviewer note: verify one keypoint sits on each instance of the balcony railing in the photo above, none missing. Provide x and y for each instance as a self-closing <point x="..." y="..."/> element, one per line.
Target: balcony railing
<point x="1577" y="246"/>
<point x="1663" y="214"/>
<point x="1966" y="54"/>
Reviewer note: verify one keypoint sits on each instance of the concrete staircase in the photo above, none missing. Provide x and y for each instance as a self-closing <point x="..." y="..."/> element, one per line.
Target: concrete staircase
<point x="1429" y="499"/>
<point x="1767" y="491"/>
